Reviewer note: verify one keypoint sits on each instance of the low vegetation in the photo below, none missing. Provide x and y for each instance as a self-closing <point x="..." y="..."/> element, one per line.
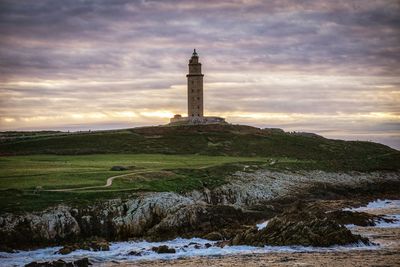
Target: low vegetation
<point x="178" y="159"/>
<point x="213" y="140"/>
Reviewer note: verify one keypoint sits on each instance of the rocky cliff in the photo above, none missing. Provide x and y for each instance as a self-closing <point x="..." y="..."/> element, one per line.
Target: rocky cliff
<point x="216" y="214"/>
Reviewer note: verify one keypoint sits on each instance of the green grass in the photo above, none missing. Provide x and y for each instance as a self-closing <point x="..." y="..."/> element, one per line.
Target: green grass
<point x="52" y="172"/>
<point x="213" y="140"/>
<point x="24" y="180"/>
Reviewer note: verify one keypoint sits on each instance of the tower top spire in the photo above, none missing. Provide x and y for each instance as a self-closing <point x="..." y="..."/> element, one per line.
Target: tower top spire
<point x="194" y="53"/>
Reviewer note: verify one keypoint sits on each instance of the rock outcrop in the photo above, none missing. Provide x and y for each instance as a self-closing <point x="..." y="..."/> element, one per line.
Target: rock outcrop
<point x="298" y="226"/>
<point x="356" y="218"/>
<point x="252" y="188"/>
<point x="39" y="228"/>
<point x="202" y="220"/>
<point x="60" y="263"/>
<point x="164" y="249"/>
<point x="97" y="244"/>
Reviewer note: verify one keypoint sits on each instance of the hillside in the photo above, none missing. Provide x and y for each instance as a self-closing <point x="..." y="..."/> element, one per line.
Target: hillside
<point x="158" y="183"/>
<point x="221" y="140"/>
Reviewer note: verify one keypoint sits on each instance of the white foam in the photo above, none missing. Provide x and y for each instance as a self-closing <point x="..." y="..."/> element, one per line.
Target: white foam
<point x="119" y="251"/>
<point x="383" y="205"/>
<point x="394" y="224"/>
<point x="261" y="226"/>
<point x="377" y="205"/>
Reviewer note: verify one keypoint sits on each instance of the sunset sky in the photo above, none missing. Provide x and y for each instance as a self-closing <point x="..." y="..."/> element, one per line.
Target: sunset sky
<point x="329" y="67"/>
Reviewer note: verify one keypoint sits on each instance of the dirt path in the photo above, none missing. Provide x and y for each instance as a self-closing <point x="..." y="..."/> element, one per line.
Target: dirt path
<point x="109" y="182"/>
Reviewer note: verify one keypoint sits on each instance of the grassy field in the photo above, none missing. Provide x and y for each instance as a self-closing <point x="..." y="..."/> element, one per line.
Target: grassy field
<point x="52" y="172"/>
<point x="162" y="159"/>
<point x="26" y="181"/>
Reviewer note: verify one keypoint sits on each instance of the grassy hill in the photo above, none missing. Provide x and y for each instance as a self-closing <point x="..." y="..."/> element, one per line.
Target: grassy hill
<point x="213" y="140"/>
<point x="41" y="169"/>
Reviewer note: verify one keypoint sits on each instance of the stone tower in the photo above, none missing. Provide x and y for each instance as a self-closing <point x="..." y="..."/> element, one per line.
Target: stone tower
<point x="195" y="87"/>
<point x="195" y="98"/>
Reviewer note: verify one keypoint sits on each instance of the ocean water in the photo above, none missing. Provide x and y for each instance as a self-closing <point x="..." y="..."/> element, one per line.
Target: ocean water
<point x="381" y="205"/>
<point x="119" y="251"/>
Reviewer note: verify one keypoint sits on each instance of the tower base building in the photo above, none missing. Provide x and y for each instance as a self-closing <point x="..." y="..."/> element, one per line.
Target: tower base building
<point x="179" y="120"/>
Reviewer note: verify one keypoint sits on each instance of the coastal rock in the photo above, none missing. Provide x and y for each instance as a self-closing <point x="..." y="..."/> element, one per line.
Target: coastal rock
<point x="82" y="262"/>
<point x="214" y="236"/>
<point x="356" y="218"/>
<point x="57" y="263"/>
<point x="113" y="219"/>
<point x="144" y="213"/>
<point x="251" y="188"/>
<point x="60" y="263"/>
<point x="53" y="224"/>
<point x="202" y="220"/>
<point x="298" y="226"/>
<point x="164" y="249"/>
<point x="135" y="253"/>
<point x="117" y="219"/>
<point x="93" y="245"/>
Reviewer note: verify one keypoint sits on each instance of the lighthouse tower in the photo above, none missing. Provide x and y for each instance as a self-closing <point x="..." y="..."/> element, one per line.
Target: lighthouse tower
<point x="195" y="87"/>
<point x="195" y="98"/>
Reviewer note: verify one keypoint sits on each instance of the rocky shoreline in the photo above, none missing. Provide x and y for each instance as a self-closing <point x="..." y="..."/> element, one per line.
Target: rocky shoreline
<point x="225" y="213"/>
<point x="382" y="229"/>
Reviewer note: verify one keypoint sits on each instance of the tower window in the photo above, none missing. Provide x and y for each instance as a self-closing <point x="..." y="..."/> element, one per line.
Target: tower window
<point x="192" y="82"/>
<point x="198" y="98"/>
<point x="198" y="107"/>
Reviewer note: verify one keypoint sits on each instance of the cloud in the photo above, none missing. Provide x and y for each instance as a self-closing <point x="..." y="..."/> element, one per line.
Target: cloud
<point x="266" y="63"/>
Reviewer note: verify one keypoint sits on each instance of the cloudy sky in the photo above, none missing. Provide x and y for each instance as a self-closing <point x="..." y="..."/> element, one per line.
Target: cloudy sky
<point x="330" y="67"/>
